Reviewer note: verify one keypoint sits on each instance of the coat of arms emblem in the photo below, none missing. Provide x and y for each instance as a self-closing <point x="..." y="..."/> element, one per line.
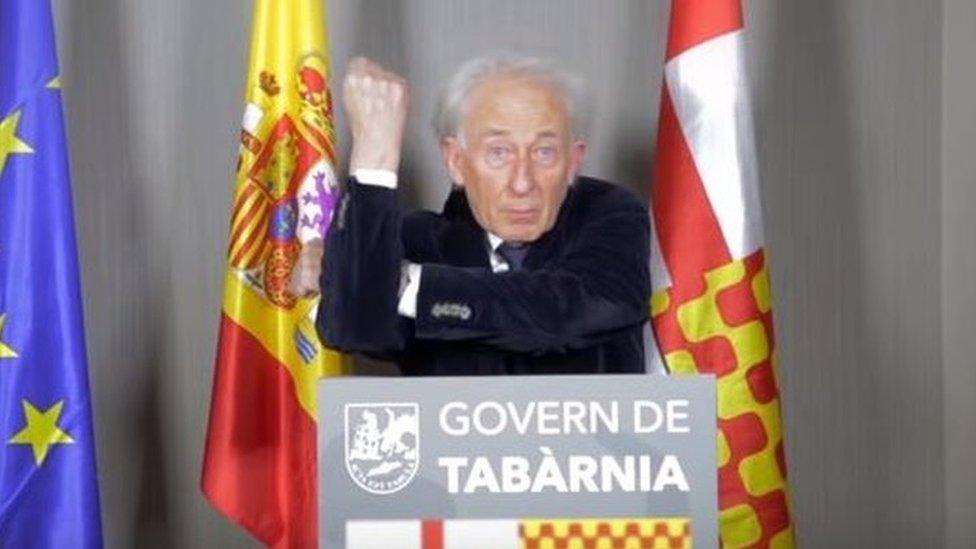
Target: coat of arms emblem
<point x="382" y="445"/>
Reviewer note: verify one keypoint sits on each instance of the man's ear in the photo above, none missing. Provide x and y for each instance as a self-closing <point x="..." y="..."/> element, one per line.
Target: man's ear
<point x="451" y="155"/>
<point x="577" y="153"/>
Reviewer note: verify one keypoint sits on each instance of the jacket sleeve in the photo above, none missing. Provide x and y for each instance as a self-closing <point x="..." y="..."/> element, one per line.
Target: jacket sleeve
<point x="600" y="283"/>
<point x="361" y="274"/>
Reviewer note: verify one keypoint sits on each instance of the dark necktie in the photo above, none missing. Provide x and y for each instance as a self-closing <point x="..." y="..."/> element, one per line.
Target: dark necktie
<point x="514" y="254"/>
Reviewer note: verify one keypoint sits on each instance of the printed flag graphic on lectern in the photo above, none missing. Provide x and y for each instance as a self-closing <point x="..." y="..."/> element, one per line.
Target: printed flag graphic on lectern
<point x="48" y="483"/>
<point x="260" y="462"/>
<point x="545" y="533"/>
<point x="711" y="306"/>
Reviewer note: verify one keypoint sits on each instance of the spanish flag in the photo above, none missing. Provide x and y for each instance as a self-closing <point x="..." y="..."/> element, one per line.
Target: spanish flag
<point x="260" y="463"/>
<point x="711" y="307"/>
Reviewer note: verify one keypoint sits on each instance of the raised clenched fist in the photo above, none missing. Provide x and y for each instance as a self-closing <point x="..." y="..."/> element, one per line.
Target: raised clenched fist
<point x="376" y="109"/>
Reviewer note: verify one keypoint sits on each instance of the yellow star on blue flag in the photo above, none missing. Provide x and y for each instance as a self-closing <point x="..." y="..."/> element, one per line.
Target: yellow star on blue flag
<point x="41" y="431"/>
<point x="5" y="350"/>
<point x="9" y="142"/>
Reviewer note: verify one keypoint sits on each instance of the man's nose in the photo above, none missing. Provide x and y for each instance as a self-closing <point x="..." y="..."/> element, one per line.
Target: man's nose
<point x="523" y="181"/>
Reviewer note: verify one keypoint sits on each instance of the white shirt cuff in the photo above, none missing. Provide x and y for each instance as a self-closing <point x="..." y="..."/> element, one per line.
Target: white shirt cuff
<point x="379" y="178"/>
<point x="410" y="273"/>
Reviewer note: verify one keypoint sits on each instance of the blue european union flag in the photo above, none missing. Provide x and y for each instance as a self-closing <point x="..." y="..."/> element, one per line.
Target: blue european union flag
<point x="48" y="483"/>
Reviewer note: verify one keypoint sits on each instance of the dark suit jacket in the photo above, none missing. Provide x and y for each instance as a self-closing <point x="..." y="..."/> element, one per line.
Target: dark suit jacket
<point x="577" y="306"/>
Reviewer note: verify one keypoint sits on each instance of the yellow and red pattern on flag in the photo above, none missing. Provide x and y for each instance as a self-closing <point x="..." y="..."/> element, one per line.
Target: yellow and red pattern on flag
<point x="711" y="306"/>
<point x="260" y="463"/>
<point x="638" y="533"/>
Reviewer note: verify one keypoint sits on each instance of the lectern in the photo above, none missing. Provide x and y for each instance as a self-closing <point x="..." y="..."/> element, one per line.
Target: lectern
<point x="513" y="462"/>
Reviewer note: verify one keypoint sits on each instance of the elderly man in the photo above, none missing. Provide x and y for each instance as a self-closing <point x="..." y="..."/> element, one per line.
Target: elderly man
<point x="529" y="269"/>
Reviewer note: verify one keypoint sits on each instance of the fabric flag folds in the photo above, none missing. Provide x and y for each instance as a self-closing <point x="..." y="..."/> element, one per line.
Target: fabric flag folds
<point x="711" y="307"/>
<point x="260" y="462"/>
<point x="48" y="483"/>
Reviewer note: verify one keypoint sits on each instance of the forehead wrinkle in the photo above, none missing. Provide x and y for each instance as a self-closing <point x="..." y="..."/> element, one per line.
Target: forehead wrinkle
<point x="492" y="132"/>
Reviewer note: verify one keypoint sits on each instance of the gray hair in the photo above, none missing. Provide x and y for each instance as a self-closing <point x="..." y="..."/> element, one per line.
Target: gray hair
<point x="449" y="110"/>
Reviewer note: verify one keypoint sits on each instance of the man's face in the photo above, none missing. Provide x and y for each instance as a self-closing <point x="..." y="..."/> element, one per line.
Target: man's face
<point x="517" y="156"/>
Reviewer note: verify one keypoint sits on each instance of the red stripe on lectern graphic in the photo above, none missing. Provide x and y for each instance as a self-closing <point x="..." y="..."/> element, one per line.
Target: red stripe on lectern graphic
<point x="432" y="534"/>
<point x="695" y="21"/>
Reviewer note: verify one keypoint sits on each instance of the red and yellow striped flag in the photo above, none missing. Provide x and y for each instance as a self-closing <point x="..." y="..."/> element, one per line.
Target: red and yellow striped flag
<point x="260" y="462"/>
<point x="711" y="306"/>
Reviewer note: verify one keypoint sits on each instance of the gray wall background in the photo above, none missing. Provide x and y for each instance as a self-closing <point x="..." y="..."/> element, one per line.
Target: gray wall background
<point x="865" y="128"/>
<point x="959" y="267"/>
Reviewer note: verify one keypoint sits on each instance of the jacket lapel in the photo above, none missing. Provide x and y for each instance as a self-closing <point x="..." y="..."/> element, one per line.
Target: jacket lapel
<point x="465" y="242"/>
<point x="544" y="249"/>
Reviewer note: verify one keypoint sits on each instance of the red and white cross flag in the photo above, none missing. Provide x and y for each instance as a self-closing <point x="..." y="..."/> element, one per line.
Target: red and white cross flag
<point x="711" y="308"/>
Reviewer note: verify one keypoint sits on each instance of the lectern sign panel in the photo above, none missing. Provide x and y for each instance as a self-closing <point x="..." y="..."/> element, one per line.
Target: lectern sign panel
<point x="517" y="462"/>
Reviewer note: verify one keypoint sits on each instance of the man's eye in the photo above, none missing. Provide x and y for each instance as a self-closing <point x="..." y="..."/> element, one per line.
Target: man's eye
<point x="497" y="154"/>
<point x="546" y="154"/>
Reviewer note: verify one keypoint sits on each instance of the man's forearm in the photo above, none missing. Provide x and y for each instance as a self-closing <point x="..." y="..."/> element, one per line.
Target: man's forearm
<point x="361" y="273"/>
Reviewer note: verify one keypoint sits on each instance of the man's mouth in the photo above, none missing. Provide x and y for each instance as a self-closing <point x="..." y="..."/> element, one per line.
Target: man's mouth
<point x="522" y="215"/>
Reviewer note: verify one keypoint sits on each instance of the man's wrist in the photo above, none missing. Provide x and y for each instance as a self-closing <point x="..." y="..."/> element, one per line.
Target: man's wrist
<point x="379" y="178"/>
<point x="360" y="160"/>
